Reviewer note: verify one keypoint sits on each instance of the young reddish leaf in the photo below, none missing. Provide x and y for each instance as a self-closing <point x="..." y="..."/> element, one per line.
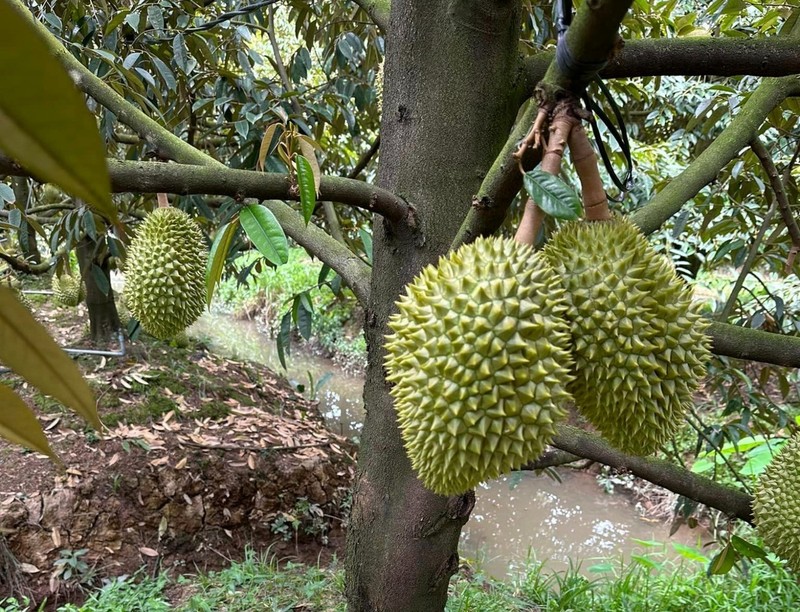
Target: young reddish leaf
<point x="266" y="141"/>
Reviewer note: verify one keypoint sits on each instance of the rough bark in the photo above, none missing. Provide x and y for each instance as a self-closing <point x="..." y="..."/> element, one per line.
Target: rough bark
<point x="103" y="317"/>
<point x="26" y="234"/>
<point x="446" y="112"/>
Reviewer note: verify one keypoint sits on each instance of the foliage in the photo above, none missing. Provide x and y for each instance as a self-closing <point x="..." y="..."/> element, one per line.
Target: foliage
<point x="647" y="582"/>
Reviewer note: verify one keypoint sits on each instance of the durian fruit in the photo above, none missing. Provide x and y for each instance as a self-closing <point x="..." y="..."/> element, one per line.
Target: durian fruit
<point x="67" y="290"/>
<point x="638" y="342"/>
<point x="165" y="286"/>
<point x="776" y="504"/>
<point x="480" y="360"/>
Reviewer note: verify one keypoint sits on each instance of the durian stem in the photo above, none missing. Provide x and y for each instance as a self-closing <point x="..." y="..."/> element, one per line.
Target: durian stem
<point x="163" y="200"/>
<point x="532" y="218"/>
<point x="595" y="201"/>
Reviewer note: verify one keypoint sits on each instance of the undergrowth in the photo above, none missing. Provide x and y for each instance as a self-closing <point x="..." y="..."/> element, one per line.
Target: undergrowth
<point x="270" y="292"/>
<point x="644" y="585"/>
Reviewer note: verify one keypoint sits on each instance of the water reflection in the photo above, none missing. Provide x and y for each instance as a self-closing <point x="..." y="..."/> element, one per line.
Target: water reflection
<point x="525" y="515"/>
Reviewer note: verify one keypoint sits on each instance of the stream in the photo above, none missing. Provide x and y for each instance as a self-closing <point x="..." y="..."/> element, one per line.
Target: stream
<point x="515" y="516"/>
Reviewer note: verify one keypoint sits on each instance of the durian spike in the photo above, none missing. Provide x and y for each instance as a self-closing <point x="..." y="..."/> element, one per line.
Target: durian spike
<point x="595" y="201"/>
<point x="561" y="126"/>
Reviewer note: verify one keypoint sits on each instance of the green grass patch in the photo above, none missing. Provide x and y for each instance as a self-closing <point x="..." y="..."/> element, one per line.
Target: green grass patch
<point x="645" y="585"/>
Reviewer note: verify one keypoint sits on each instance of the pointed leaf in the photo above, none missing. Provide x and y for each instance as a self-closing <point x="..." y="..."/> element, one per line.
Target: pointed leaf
<point x="307" y="149"/>
<point x="266" y="142"/>
<point x="723" y="561"/>
<point x="19" y="425"/>
<point x="100" y="279"/>
<point x="283" y="337"/>
<point x="44" y="122"/>
<point x="552" y="195"/>
<point x="366" y="238"/>
<point x="265" y="232"/>
<point x="308" y="190"/>
<point x="27" y="348"/>
<point x="217" y="257"/>
<point x="748" y="549"/>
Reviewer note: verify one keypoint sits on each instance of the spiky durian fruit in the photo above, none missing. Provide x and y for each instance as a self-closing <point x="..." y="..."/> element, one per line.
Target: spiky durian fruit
<point x="638" y="342"/>
<point x="480" y="360"/>
<point x="776" y="504"/>
<point x="67" y="290"/>
<point x="165" y="273"/>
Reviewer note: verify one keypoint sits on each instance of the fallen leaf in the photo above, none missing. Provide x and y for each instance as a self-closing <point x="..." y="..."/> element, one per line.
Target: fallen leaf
<point x="148" y="552"/>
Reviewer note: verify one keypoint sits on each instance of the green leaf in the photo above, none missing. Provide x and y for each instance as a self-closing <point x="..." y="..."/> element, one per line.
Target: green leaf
<point x="265" y="232"/>
<point x="6" y="193"/>
<point x="748" y="549"/>
<point x="303" y="318"/>
<point x="100" y="279"/>
<point x="217" y="257"/>
<point x="366" y="238"/>
<point x="27" y="348"/>
<point x="44" y="122"/>
<point x="689" y="552"/>
<point x="723" y="561"/>
<point x="552" y="195"/>
<point x="19" y="425"/>
<point x="284" y="337"/>
<point x="308" y="191"/>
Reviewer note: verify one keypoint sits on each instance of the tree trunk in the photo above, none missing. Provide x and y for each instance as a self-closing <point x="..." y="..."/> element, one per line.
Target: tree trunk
<point x="103" y="317"/>
<point x="26" y="235"/>
<point x="451" y="68"/>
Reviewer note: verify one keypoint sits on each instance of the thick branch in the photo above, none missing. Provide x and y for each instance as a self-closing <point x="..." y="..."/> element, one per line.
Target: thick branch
<point x="691" y="56"/>
<point x="26" y="267"/>
<point x="658" y="471"/>
<point x="755" y="345"/>
<point x="742" y="129"/>
<point x="155" y="177"/>
<point x="166" y="145"/>
<point x="378" y="11"/>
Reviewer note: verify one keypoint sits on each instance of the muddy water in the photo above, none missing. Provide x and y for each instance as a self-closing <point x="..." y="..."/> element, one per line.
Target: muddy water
<point x="515" y="517"/>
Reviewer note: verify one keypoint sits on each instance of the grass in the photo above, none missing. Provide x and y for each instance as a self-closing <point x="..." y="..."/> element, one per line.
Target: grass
<point x="272" y="291"/>
<point x="259" y="584"/>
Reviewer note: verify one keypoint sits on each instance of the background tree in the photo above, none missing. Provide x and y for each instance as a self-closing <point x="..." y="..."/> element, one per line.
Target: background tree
<point x="189" y="84"/>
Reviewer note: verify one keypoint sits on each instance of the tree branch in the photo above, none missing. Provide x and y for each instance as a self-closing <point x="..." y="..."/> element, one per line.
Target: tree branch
<point x="156" y="177"/>
<point x="754" y="344"/>
<point x="378" y="11"/>
<point x="742" y="129"/>
<point x="779" y="190"/>
<point x="166" y="144"/>
<point x="658" y="471"/>
<point x="364" y="160"/>
<point x="690" y="56"/>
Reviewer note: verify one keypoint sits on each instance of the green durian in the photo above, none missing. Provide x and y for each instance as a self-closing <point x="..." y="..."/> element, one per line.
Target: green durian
<point x="638" y="342"/>
<point x="67" y="290"/>
<point x="165" y="287"/>
<point x="776" y="504"/>
<point x="479" y="361"/>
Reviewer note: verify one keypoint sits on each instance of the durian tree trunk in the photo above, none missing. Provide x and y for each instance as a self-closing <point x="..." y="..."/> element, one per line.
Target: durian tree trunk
<point x="26" y="235"/>
<point x="103" y="317"/>
<point x="450" y="69"/>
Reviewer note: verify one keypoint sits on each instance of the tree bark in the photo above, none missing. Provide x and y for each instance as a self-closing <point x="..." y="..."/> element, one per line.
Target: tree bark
<point x="103" y="317"/>
<point x="26" y="235"/>
<point x="450" y="67"/>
